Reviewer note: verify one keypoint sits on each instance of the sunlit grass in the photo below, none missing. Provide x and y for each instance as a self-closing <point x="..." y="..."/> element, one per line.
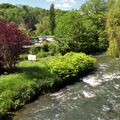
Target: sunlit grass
<point x="30" y="79"/>
<point x="18" y="88"/>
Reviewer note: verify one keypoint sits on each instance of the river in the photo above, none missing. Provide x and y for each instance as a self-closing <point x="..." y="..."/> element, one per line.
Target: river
<point x="97" y="97"/>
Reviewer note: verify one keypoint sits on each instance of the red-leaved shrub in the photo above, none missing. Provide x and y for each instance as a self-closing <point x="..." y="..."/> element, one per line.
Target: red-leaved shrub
<point x="11" y="43"/>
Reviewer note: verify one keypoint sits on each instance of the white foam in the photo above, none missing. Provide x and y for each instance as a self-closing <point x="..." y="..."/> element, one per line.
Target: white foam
<point x="75" y="98"/>
<point x="92" y="80"/>
<point x="111" y="76"/>
<point x="116" y="86"/>
<point x="88" y="94"/>
<point x="103" y="65"/>
<point x="60" y="96"/>
<point x="57" y="94"/>
<point x="105" y="108"/>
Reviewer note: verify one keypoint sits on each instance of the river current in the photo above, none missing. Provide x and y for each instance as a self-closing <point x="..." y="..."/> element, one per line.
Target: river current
<point x="96" y="97"/>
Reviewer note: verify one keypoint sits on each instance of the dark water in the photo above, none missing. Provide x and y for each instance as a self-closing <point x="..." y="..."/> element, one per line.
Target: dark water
<point x="96" y="98"/>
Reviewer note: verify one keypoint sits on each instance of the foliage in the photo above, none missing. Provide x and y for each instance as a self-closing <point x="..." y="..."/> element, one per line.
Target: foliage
<point x="58" y="14"/>
<point x="45" y="50"/>
<point x="34" y="49"/>
<point x="43" y="27"/>
<point x="52" y="19"/>
<point x="11" y="42"/>
<point x="83" y="30"/>
<point x="41" y="54"/>
<point x="23" y="57"/>
<point x="95" y="11"/>
<point x="71" y="65"/>
<point x="22" y="14"/>
<point x="32" y="78"/>
<point x="75" y="32"/>
<point x="33" y="21"/>
<point x="14" y="92"/>
<point x="24" y="29"/>
<point x="113" y="29"/>
<point x="18" y="88"/>
<point x="96" y="7"/>
<point x="45" y="46"/>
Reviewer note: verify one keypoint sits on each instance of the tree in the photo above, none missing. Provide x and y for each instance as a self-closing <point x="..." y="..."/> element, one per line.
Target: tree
<point x="52" y="19"/>
<point x="22" y="14"/>
<point x="43" y="27"/>
<point x="7" y="5"/>
<point x="76" y="33"/>
<point x="95" y="11"/>
<point x="11" y="42"/>
<point x="113" y="30"/>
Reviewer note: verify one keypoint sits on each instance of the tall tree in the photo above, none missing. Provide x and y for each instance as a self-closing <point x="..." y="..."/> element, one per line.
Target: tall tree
<point x="52" y="19"/>
<point x="95" y="11"/>
<point x="75" y="33"/>
<point x="113" y="30"/>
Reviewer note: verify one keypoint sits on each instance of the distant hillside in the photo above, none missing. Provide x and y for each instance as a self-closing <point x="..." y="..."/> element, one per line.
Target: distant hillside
<point x="25" y="16"/>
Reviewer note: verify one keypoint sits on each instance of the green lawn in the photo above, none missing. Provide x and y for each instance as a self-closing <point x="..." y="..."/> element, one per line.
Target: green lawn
<point x="31" y="78"/>
<point x="18" y="88"/>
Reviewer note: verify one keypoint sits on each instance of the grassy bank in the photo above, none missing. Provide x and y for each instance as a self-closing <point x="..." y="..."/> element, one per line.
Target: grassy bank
<point x="35" y="78"/>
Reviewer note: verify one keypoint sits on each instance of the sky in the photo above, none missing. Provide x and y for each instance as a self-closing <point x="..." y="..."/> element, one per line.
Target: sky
<point x="59" y="4"/>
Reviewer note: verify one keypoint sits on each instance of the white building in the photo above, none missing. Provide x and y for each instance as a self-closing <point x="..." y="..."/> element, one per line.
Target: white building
<point x="45" y="38"/>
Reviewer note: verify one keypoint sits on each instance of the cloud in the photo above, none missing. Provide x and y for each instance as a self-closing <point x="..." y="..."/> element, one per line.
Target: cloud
<point x="69" y="1"/>
<point x="50" y="0"/>
<point x="63" y="4"/>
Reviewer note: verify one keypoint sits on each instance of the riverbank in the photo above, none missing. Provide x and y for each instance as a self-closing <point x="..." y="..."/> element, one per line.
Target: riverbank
<point x="35" y="78"/>
<point x="97" y="97"/>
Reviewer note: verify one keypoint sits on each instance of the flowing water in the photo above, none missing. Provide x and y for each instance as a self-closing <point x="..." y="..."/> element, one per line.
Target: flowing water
<point x="96" y="98"/>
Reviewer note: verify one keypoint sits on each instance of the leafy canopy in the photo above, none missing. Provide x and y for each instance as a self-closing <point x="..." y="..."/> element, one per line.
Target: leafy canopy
<point x="113" y="30"/>
<point x="11" y="42"/>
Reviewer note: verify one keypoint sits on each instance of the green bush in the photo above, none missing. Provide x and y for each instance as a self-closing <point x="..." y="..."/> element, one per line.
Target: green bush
<point x="23" y="56"/>
<point x="34" y="49"/>
<point x="42" y="54"/>
<point x="71" y="65"/>
<point x="45" y="46"/>
<point x="15" y="91"/>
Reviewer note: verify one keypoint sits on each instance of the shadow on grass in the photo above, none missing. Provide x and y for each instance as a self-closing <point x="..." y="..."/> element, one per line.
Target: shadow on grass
<point x="8" y="117"/>
<point x="35" y="73"/>
<point x="42" y="74"/>
<point x="39" y="74"/>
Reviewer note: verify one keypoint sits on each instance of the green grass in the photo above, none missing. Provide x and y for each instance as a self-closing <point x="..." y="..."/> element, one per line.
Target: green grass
<point x="30" y="79"/>
<point x="18" y="88"/>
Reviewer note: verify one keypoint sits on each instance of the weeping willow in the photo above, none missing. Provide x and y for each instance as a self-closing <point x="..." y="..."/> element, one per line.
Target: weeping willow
<point x="113" y="29"/>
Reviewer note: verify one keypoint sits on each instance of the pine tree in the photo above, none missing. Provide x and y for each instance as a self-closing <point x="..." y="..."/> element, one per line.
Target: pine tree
<point x="52" y="19"/>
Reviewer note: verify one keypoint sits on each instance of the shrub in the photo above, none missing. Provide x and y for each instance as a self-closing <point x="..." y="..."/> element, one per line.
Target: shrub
<point x="42" y="54"/>
<point x="15" y="92"/>
<point x="71" y="65"/>
<point x="45" y="46"/>
<point x="34" y="49"/>
<point x="23" y="56"/>
<point x="11" y="42"/>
